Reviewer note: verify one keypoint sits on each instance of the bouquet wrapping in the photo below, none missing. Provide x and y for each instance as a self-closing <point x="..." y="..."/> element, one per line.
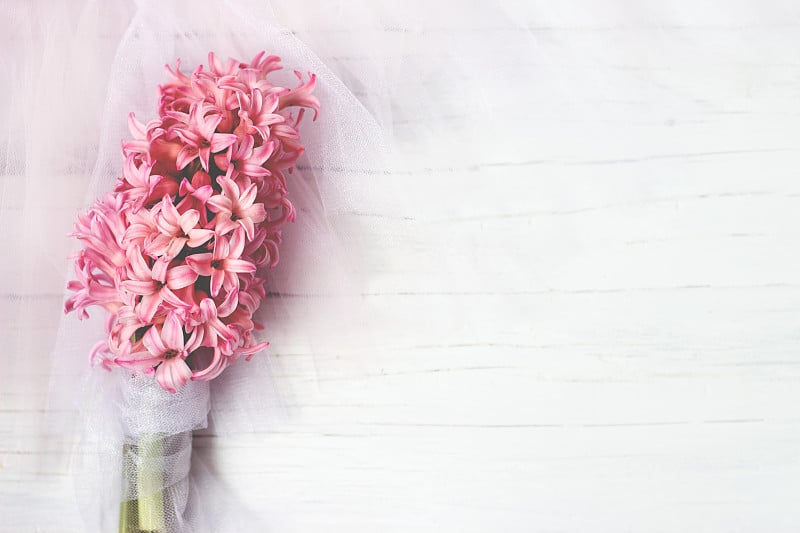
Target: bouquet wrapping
<point x="156" y="455"/>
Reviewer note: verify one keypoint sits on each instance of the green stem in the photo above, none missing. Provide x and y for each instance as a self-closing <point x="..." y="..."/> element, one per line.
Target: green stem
<point x="149" y="480"/>
<point x="128" y="522"/>
<point x="127" y="517"/>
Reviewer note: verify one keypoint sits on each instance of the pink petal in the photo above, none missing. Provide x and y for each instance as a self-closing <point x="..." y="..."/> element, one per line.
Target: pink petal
<point x="229" y="188"/>
<point x="219" y="203"/>
<point x="147" y="308"/>
<point x="217" y="365"/>
<point x="223" y="224"/>
<point x="223" y="160"/>
<point x="208" y="309"/>
<point x="229" y="304"/>
<point x="173" y="374"/>
<point x="136" y="232"/>
<point x="236" y="244"/>
<point x="172" y="333"/>
<point x="139" y="287"/>
<point x="175" y="247"/>
<point x="250" y="351"/>
<point x="212" y="339"/>
<point x="132" y="174"/>
<point x="231" y="280"/>
<point x="140" y="363"/>
<point x="180" y="276"/>
<point x="158" y="245"/>
<point x="170" y="214"/>
<point x="188" y="136"/>
<point x="195" y="340"/>
<point x="140" y="268"/>
<point x="222" y="249"/>
<point x="203" y="193"/>
<point x="199" y="236"/>
<point x="185" y="187"/>
<point x="258" y="99"/>
<point x="204" y="152"/>
<point x="152" y="341"/>
<point x="200" y="263"/>
<point x="252" y="169"/>
<point x="171" y="298"/>
<point x="246" y="146"/>
<point x="221" y="141"/>
<point x="263" y="152"/>
<point x="217" y="277"/>
<point x="187" y="154"/>
<point x="135" y="127"/>
<point x="208" y="125"/>
<point x="219" y="331"/>
<point x="239" y="265"/>
<point x="256" y="212"/>
<point x="248" y="196"/>
<point x="160" y="269"/>
<point x="189" y="220"/>
<point x="249" y="227"/>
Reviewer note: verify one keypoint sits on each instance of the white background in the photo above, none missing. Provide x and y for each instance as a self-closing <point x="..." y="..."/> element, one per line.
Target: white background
<point x="591" y="322"/>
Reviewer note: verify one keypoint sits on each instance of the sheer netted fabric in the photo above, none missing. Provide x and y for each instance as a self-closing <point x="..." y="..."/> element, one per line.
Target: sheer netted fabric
<point x="396" y="74"/>
<point x="126" y="425"/>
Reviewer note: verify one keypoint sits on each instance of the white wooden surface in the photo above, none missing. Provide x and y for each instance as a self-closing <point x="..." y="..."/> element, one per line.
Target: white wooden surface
<point x="592" y="325"/>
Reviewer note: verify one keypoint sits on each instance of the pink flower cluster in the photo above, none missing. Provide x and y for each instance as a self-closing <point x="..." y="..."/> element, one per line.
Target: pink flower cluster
<point x="174" y="252"/>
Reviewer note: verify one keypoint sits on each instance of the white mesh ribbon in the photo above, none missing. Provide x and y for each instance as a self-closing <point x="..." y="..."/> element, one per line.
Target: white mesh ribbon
<point x="147" y="409"/>
<point x="155" y="475"/>
<point x="157" y="450"/>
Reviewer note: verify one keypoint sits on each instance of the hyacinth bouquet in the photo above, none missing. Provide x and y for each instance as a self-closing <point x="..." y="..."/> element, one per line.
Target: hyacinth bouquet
<point x="176" y="253"/>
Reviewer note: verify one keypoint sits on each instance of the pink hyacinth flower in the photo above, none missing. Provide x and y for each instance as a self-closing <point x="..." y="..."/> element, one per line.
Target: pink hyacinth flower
<point x="234" y="207"/>
<point x="246" y="159"/>
<point x="167" y="349"/>
<point x="176" y="231"/>
<point x="223" y="264"/>
<point x="143" y="135"/>
<point x="149" y="283"/>
<point x="140" y="185"/>
<point x="201" y="137"/>
<point x="195" y="194"/>
<point x="257" y="114"/>
<point x="301" y="95"/>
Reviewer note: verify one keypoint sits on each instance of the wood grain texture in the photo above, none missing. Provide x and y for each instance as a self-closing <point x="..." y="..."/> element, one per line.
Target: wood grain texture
<point x="590" y="324"/>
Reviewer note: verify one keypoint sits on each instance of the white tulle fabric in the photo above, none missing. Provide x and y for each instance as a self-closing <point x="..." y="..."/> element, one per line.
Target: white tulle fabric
<point x="415" y="84"/>
<point x="112" y="410"/>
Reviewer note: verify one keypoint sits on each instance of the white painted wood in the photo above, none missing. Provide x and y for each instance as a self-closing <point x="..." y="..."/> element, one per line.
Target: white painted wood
<point x="591" y="324"/>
